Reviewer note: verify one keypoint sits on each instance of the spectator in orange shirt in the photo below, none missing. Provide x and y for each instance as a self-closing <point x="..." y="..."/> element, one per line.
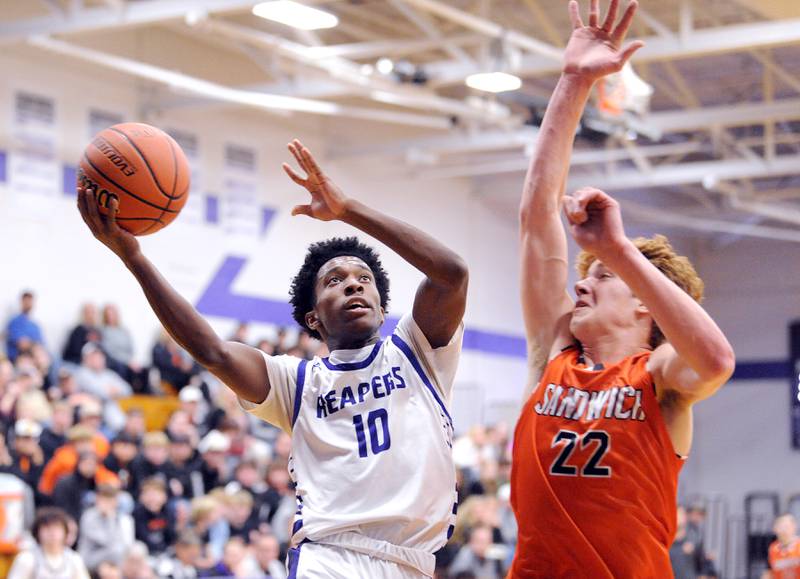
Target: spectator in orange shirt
<point x="784" y="554"/>
<point x="81" y="440"/>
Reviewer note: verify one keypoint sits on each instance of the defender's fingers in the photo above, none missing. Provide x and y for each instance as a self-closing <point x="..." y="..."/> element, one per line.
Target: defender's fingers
<point x="293" y="176"/>
<point x="628" y="50"/>
<point x="619" y="33"/>
<point x="301" y="210"/>
<point x="611" y="16"/>
<point x="594" y="13"/>
<point x="575" y="14"/>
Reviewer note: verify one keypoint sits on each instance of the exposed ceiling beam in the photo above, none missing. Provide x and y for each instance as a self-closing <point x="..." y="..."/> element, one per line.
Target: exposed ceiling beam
<point x="683" y="221"/>
<point x="382" y="90"/>
<point x="686" y="173"/>
<point x="725" y="116"/>
<point x="106" y="17"/>
<point x="197" y="86"/>
<point x="429" y="29"/>
<point x="364" y="50"/>
<point x="489" y="28"/>
<point x="733" y="38"/>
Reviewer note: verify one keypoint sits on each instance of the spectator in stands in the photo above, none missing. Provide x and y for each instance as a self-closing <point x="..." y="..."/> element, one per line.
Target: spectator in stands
<point x="174" y="364"/>
<point x="240" y="333"/>
<point x="233" y="561"/>
<point x="151" y="463"/>
<point x="93" y="377"/>
<point x="54" y="435"/>
<point x="75" y="492"/>
<point x="242" y="518"/>
<point x="207" y="521"/>
<point x="180" y="561"/>
<point x="105" y="533"/>
<point x="784" y="553"/>
<point x="108" y="570"/>
<point x="155" y="524"/>
<point x="86" y="331"/>
<point x="695" y="533"/>
<point x="123" y="451"/>
<point x="81" y="439"/>
<point x="27" y="456"/>
<point x="137" y="563"/>
<point x="50" y="557"/>
<point x="118" y="346"/>
<point x="15" y="497"/>
<point x="474" y="556"/>
<point x="22" y="332"/>
<point x="213" y="467"/>
<point x="683" y="552"/>
<point x="194" y="407"/>
<point x="135" y="425"/>
<point x="266" y="346"/>
<point x="267" y="551"/>
<point x="184" y="464"/>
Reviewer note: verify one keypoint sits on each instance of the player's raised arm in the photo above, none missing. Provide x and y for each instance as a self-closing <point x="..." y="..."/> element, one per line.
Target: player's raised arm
<point x="441" y="297"/>
<point x="593" y="51"/>
<point x="241" y="367"/>
<point x="697" y="358"/>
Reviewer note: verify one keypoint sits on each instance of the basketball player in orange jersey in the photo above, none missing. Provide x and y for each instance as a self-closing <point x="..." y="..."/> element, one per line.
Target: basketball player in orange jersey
<point x="614" y="375"/>
<point x="784" y="553"/>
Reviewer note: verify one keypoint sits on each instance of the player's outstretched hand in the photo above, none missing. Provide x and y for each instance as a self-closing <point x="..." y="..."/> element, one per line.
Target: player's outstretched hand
<point x="595" y="221"/>
<point x="596" y="50"/>
<point x="103" y="227"/>
<point x="327" y="200"/>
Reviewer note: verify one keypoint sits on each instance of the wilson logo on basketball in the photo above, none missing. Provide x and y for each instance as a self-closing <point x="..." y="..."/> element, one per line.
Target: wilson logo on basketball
<point x="113" y="155"/>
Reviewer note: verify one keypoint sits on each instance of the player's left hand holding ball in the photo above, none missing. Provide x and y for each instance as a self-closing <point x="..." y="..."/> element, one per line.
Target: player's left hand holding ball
<point x="327" y="200"/>
<point x="595" y="221"/>
<point x="104" y="227"/>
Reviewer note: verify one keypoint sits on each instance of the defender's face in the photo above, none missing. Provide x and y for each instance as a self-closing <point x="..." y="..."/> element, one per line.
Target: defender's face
<point x="602" y="301"/>
<point x="348" y="303"/>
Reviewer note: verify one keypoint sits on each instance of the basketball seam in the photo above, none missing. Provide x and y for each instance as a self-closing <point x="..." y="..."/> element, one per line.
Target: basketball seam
<point x="174" y="166"/>
<point x="144" y="160"/>
<point x="123" y="189"/>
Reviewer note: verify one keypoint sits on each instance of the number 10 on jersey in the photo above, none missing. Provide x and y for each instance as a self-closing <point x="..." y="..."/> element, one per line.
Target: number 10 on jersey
<point x="379" y="439"/>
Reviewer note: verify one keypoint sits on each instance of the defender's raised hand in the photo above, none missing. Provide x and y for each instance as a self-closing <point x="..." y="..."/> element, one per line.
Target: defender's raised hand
<point x="596" y="50"/>
<point x="595" y="221"/>
<point x="327" y="200"/>
<point x="104" y="227"/>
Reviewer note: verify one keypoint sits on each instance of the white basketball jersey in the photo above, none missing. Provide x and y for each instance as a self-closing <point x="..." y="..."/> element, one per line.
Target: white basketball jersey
<point x="371" y="438"/>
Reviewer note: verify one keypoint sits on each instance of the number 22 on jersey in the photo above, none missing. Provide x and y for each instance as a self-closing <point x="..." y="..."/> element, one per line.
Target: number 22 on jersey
<point x="570" y="440"/>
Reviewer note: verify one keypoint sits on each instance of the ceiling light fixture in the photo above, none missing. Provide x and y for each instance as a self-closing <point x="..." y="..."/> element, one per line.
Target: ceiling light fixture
<point x="494" y="81"/>
<point x="295" y="15"/>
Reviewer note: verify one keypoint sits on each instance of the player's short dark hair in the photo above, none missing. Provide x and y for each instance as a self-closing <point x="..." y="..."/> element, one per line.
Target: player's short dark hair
<point x="48" y="516"/>
<point x="303" y="285"/>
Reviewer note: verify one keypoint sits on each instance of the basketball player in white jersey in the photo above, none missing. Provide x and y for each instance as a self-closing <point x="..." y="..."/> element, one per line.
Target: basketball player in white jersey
<point x="371" y="432"/>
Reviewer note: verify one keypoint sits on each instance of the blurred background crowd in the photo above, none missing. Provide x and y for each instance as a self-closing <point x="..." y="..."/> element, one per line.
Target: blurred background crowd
<point x="123" y="470"/>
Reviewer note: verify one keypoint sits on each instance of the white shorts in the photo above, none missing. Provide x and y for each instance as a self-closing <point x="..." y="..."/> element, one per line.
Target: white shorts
<point x="318" y="561"/>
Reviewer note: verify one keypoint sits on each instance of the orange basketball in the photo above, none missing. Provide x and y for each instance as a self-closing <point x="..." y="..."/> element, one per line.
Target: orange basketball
<point x="144" y="169"/>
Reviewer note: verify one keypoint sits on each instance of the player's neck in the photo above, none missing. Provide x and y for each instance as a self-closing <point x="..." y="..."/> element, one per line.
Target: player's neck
<point x="350" y="342"/>
<point x="609" y="350"/>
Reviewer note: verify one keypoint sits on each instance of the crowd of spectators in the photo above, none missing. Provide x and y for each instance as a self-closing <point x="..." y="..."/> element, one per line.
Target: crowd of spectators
<point x="207" y="493"/>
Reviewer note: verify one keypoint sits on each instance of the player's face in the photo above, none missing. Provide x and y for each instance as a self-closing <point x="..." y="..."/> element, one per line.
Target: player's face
<point x="603" y="302"/>
<point x="348" y="309"/>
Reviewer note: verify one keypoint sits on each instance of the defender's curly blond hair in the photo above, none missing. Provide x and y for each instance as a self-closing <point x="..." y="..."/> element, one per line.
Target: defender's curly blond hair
<point x="660" y="253"/>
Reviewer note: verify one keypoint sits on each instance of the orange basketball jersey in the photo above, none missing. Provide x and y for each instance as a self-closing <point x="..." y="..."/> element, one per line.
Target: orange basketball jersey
<point x="784" y="560"/>
<point x="594" y="476"/>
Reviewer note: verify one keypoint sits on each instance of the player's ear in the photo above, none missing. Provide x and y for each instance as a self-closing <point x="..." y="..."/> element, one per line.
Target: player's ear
<point x="312" y="321"/>
<point x="383" y="315"/>
<point x="641" y="309"/>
